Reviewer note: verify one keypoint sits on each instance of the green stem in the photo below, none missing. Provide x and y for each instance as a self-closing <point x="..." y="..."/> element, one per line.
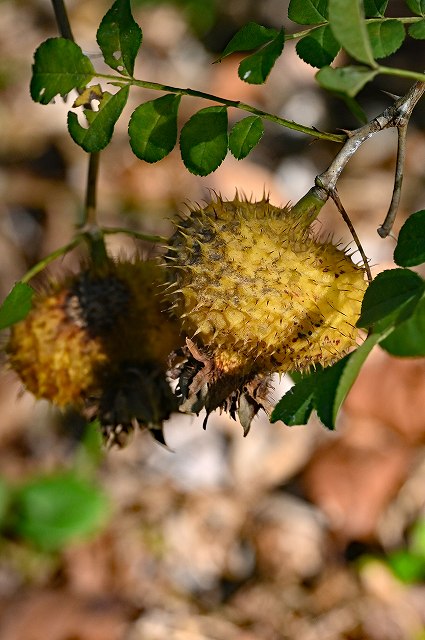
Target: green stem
<point x="89" y="217"/>
<point x="289" y="124"/>
<point x="40" y="266"/>
<point x="306" y="32"/>
<point x="402" y="73"/>
<point x="62" y="19"/>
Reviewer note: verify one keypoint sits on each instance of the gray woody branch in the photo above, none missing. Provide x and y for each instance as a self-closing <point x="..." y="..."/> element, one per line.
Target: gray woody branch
<point x="396" y="116"/>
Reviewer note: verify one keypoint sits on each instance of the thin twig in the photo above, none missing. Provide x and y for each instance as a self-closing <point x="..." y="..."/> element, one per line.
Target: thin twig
<point x="335" y="197"/>
<point x="91" y="189"/>
<point x="385" y="229"/>
<point x="397" y="115"/>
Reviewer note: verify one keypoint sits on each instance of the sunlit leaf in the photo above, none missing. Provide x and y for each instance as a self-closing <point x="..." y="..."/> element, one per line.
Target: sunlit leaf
<point x="59" y="66"/>
<point x="249" y="37"/>
<point x="346" y="18"/>
<point x="410" y="249"/>
<point x="346" y="80"/>
<point x="153" y="128"/>
<point x="119" y="37"/>
<point x="385" y="37"/>
<point x="244" y="135"/>
<point x="319" y="48"/>
<point x="255" y="68"/>
<point x="387" y="296"/>
<point x="101" y="123"/>
<point x="50" y="511"/>
<point x="16" y="305"/>
<point x="308" y="11"/>
<point x="204" y="140"/>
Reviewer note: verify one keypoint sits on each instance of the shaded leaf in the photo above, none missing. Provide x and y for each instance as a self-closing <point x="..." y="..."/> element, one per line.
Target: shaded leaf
<point x="244" y="135"/>
<point x="308" y="11"/>
<point x="255" y="68"/>
<point x="345" y="80"/>
<point x="408" y="338"/>
<point x="385" y="37"/>
<point x="319" y="48"/>
<point x="101" y="123"/>
<point x="59" y="66"/>
<point x="346" y="18"/>
<point x="203" y="140"/>
<point x="119" y="37"/>
<point x="387" y="295"/>
<point x="153" y="128"/>
<point x="375" y="8"/>
<point x="249" y="37"/>
<point x="417" y="6"/>
<point x="16" y="305"/>
<point x="52" y="510"/>
<point x="295" y="407"/>
<point x="410" y="249"/>
<point x="417" y="30"/>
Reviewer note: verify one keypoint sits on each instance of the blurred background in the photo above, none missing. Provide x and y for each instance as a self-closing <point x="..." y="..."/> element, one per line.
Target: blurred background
<point x="290" y="533"/>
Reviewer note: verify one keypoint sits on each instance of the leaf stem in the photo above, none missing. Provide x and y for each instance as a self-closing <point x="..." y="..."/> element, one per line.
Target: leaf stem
<point x="89" y="217"/>
<point x="289" y="124"/>
<point x="40" y="266"/>
<point x="306" y="32"/>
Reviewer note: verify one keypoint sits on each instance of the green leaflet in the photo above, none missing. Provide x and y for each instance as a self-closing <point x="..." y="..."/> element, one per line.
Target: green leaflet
<point x="101" y="123"/>
<point x="245" y="135"/>
<point x="153" y="128"/>
<point x="16" y="305"/>
<point x="410" y="249"/>
<point x="119" y="37"/>
<point x="203" y="140"/>
<point x="346" y="18"/>
<point x="59" y="66"/>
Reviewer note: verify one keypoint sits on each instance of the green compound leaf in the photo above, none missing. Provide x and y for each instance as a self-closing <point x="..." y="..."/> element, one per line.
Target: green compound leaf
<point x="326" y="391"/>
<point x="59" y="66"/>
<point x="375" y="8"/>
<point x="346" y="18"/>
<point x="249" y="37"/>
<point x="244" y="135"/>
<point x="101" y="123"/>
<point x="410" y="249"/>
<point x="319" y="48"/>
<point x="296" y="405"/>
<point x="203" y="140"/>
<point x="417" y="6"/>
<point x="385" y="37"/>
<point x="388" y="295"/>
<point x="255" y="68"/>
<point x="153" y="128"/>
<point x="51" y="511"/>
<point x="408" y="338"/>
<point x="16" y="305"/>
<point x="345" y="80"/>
<point x="119" y="37"/>
<point x="417" y="30"/>
<point x="308" y="11"/>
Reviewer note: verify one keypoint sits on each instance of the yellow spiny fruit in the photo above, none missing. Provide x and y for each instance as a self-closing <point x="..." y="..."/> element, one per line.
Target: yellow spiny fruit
<point x="100" y="338"/>
<point x="258" y="293"/>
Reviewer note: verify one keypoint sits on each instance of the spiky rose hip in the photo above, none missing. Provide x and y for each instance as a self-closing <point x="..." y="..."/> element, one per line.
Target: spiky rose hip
<point x="258" y="293"/>
<point x="100" y="338"/>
